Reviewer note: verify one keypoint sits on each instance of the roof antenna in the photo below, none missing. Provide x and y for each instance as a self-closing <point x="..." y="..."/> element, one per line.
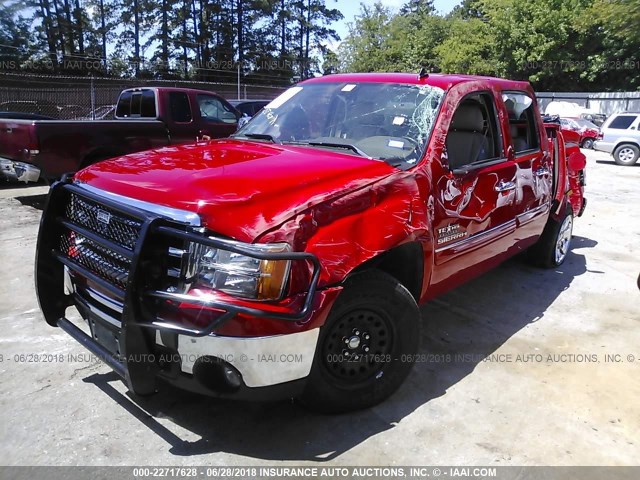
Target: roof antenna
<point x="423" y="73"/>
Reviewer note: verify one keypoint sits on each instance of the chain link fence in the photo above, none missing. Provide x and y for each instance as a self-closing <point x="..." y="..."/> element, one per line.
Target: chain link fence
<point x="76" y="98"/>
<point x="72" y="98"/>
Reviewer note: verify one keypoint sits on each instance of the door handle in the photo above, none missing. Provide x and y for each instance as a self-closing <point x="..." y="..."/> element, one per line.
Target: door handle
<point x="503" y="186"/>
<point x="542" y="171"/>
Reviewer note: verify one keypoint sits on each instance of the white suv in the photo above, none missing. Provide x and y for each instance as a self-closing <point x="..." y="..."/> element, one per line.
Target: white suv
<point x="621" y="138"/>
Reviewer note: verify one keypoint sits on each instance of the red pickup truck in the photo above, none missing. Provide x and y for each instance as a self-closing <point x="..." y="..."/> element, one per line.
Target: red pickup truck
<point x="145" y="118"/>
<point x="290" y="259"/>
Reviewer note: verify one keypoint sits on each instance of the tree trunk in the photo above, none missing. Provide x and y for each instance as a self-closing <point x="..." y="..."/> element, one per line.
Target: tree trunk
<point x="63" y="47"/>
<point x="196" y="36"/>
<point x="301" y="44"/>
<point x="78" y="17"/>
<point x="283" y="28"/>
<point x="164" y="32"/>
<point x="204" y="32"/>
<point x="218" y="10"/>
<point x="305" y="66"/>
<point x="45" y="10"/>
<point x="69" y="26"/>
<point x="103" y="33"/>
<point x="240" y="34"/>
<point x="136" y="36"/>
<point x="185" y="56"/>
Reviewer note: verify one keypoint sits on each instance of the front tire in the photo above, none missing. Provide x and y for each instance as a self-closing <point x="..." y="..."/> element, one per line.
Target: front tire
<point x="554" y="244"/>
<point x="626" y="154"/>
<point x="366" y="346"/>
<point x="587" y="143"/>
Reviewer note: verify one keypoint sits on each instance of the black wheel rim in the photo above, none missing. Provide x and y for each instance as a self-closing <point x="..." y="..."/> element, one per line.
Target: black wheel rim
<point x="358" y="346"/>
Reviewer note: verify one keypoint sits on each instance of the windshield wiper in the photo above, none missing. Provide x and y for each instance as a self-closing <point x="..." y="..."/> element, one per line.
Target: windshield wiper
<point x="344" y="146"/>
<point x="257" y="136"/>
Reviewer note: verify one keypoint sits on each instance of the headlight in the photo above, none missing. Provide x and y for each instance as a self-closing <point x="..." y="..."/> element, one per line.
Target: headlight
<point x="237" y="274"/>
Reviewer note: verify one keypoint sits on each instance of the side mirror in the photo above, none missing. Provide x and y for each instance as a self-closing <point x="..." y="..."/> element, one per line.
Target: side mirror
<point x="203" y="136"/>
<point x="243" y="121"/>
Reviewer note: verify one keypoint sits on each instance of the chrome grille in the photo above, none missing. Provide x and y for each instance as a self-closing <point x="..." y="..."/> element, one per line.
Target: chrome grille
<point x="104" y="221"/>
<point x="108" y="265"/>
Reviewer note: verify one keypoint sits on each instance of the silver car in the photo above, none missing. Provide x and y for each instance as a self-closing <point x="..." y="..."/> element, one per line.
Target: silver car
<point x="621" y="138"/>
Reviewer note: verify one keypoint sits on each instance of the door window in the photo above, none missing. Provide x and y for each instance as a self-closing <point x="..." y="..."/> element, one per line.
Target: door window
<point x="136" y="104"/>
<point x="622" y="122"/>
<point x="522" y="121"/>
<point x="474" y="136"/>
<point x="148" y="104"/>
<point x="180" y="108"/>
<point x="212" y="109"/>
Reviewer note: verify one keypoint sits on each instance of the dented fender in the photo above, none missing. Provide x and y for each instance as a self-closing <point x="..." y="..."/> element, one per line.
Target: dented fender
<point x="347" y="231"/>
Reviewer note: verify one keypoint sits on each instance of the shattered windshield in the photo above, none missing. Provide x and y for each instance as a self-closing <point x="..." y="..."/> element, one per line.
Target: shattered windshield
<point x="381" y="121"/>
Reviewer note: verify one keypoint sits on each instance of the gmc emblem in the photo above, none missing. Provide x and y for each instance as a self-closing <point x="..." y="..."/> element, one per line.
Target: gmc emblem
<point x="104" y="217"/>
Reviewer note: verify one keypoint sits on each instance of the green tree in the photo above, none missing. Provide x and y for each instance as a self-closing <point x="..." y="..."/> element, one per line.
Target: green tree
<point x="14" y="30"/>
<point x="466" y="10"/>
<point x="365" y="48"/>
<point x="418" y="7"/>
<point x="475" y="55"/>
<point x="613" y="62"/>
<point x="419" y="49"/>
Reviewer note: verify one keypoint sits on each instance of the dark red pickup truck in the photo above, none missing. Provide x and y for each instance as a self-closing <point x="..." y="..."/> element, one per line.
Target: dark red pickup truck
<point x="290" y="259"/>
<point x="145" y="118"/>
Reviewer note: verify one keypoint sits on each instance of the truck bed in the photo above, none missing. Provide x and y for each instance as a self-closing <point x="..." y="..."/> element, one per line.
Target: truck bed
<point x="59" y="146"/>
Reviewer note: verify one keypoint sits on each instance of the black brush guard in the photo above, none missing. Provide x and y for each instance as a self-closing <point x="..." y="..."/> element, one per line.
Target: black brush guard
<point x="137" y="330"/>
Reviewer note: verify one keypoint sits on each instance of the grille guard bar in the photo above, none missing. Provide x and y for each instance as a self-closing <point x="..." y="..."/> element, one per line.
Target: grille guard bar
<point x="157" y="223"/>
<point x="250" y="252"/>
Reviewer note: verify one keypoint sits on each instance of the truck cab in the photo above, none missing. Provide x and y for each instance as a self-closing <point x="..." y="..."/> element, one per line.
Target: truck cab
<point x="187" y="114"/>
<point x="290" y="259"/>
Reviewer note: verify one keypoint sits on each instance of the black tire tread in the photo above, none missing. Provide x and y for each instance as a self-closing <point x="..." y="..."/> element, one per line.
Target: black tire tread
<point x="626" y="145"/>
<point x="377" y="288"/>
<point x="542" y="254"/>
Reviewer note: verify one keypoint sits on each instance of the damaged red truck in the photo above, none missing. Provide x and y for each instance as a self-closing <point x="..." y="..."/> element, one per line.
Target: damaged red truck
<point x="290" y="259"/>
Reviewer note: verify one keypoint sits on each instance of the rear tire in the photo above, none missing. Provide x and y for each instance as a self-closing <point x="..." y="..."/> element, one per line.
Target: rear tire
<point x="626" y="154"/>
<point x="554" y="244"/>
<point x="366" y="347"/>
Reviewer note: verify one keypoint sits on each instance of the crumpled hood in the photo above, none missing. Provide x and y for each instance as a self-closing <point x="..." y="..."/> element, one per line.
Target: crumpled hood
<point x="239" y="188"/>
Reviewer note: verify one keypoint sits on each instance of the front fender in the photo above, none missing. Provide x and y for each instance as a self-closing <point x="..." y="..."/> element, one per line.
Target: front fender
<point x="349" y="230"/>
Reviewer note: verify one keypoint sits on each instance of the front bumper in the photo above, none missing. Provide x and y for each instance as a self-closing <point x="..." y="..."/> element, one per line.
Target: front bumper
<point x="261" y="362"/>
<point x="19" y="171"/>
<point x="142" y="347"/>
<point x="601" y="146"/>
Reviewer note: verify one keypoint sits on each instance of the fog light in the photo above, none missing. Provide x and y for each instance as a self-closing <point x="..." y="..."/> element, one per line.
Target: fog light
<point x="233" y="377"/>
<point x="216" y="374"/>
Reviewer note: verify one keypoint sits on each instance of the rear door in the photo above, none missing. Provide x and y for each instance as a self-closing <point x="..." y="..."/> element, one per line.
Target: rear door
<point x="476" y="206"/>
<point x="534" y="164"/>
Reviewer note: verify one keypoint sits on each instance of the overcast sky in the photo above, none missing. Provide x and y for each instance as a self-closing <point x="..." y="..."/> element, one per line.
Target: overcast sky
<point x="350" y="8"/>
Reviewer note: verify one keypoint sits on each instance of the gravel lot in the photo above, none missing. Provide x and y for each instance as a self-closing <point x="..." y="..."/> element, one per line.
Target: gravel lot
<point x="546" y="395"/>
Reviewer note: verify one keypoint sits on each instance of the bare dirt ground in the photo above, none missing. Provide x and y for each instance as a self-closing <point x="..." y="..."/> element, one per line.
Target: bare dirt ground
<point x="530" y="367"/>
